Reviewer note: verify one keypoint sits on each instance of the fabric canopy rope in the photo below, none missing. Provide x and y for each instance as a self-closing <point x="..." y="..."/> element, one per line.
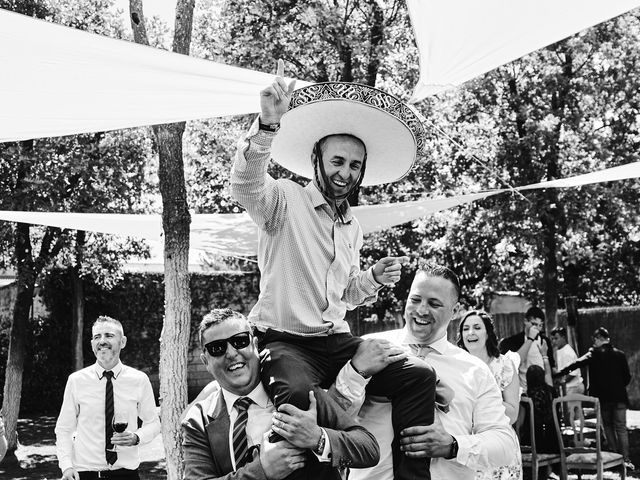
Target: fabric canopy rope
<point x="236" y="235"/>
<point x="58" y="80"/>
<point x="460" y="39"/>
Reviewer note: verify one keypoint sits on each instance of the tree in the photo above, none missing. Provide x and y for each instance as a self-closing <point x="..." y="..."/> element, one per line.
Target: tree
<point x="175" y="222"/>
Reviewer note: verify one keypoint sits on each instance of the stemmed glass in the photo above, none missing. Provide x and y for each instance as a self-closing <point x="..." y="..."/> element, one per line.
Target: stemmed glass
<point x="120" y="423"/>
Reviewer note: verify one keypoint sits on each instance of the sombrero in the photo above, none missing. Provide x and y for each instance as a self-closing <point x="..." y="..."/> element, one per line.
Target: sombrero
<point x="391" y="130"/>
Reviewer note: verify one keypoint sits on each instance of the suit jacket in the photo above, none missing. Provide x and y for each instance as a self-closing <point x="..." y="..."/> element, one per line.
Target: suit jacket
<point x="207" y="455"/>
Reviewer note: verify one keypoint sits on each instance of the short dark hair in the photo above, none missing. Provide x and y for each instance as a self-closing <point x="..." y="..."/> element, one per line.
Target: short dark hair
<point x="433" y="270"/>
<point x="216" y="317"/>
<point x="492" y="338"/>
<point x="601" y="332"/>
<point x="535" y="312"/>
<point x="559" y="331"/>
<point x="107" y="319"/>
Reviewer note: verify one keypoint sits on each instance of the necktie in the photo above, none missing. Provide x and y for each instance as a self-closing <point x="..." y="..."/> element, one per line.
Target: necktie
<point x="444" y="393"/>
<point x="108" y="419"/>
<point x="240" y="445"/>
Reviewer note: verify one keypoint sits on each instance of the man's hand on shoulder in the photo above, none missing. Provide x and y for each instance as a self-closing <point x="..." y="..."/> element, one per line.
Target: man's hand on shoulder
<point x="426" y="441"/>
<point x="280" y="459"/>
<point x="70" y="474"/>
<point x="374" y="354"/>
<point x="274" y="100"/>
<point x="387" y="271"/>
<point x="297" y="426"/>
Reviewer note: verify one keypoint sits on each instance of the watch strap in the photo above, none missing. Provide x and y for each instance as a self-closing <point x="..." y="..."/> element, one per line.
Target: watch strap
<point x="269" y="127"/>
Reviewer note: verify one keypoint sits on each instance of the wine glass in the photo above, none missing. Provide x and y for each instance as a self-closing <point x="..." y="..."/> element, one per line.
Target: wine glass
<point x="120" y="423"/>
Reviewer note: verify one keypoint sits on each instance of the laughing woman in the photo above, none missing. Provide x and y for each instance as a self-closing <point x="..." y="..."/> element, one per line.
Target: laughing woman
<point x="477" y="335"/>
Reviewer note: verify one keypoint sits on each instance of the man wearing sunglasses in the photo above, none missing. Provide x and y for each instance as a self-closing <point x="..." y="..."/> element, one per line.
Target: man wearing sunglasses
<point x="225" y="434"/>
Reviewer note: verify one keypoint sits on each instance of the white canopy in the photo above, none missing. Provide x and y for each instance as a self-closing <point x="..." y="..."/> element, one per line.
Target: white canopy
<point x="236" y="235"/>
<point x="461" y="39"/>
<point x="58" y="80"/>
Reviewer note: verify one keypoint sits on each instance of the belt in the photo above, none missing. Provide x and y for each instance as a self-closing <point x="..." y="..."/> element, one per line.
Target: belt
<point x="120" y="473"/>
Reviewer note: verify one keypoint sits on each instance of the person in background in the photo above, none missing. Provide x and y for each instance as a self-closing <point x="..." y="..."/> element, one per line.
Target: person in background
<point x="531" y="344"/>
<point x="93" y="396"/>
<point x="609" y="376"/>
<point x="477" y="336"/>
<point x="565" y="356"/>
<point x="542" y="393"/>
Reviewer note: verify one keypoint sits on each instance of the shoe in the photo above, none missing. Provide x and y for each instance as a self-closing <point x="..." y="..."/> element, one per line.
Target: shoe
<point x="628" y="464"/>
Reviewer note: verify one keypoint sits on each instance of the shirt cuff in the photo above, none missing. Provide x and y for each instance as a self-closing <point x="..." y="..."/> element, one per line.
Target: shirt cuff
<point x="350" y="384"/>
<point x="465" y="445"/>
<point x="326" y="452"/>
<point x="370" y="282"/>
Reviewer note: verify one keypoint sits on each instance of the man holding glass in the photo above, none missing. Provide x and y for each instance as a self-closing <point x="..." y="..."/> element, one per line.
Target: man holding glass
<point x="99" y="401"/>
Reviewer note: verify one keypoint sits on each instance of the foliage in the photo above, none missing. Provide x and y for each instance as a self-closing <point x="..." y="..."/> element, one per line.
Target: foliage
<point x="567" y="109"/>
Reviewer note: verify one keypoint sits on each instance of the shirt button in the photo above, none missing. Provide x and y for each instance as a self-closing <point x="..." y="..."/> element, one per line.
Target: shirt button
<point x="330" y="331"/>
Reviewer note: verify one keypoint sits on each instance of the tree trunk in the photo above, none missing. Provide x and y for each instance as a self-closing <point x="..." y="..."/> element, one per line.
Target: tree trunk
<point x="174" y="341"/>
<point x="77" y="301"/>
<point x="26" y="278"/>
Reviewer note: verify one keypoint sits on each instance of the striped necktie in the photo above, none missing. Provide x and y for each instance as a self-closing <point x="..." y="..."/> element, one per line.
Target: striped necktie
<point x="240" y="445"/>
<point x="108" y="419"/>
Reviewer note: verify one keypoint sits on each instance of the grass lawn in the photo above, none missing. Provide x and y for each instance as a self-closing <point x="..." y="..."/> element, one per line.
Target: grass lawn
<point x="36" y="456"/>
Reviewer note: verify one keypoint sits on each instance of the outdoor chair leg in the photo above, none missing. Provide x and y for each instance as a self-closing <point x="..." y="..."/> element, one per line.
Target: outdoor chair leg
<point x="623" y="474"/>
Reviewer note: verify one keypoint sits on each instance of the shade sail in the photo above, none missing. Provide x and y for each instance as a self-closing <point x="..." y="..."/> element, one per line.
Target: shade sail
<point x="58" y="80"/>
<point x="236" y="235"/>
<point x="461" y="39"/>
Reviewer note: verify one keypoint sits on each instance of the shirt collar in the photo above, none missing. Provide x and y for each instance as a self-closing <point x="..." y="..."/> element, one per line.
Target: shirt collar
<point x="116" y="370"/>
<point x="317" y="200"/>
<point x="439" y="345"/>
<point x="258" y="395"/>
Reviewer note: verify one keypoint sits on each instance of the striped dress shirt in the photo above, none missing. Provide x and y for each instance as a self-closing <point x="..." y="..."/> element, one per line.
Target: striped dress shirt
<point x="309" y="260"/>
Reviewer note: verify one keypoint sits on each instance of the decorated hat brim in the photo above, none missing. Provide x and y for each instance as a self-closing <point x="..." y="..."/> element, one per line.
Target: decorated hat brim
<point x="392" y="132"/>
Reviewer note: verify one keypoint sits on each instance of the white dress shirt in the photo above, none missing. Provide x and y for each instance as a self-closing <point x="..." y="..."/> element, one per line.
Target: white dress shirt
<point x="476" y="417"/>
<point x="565" y="356"/>
<point x="259" y="419"/>
<point x="80" y="429"/>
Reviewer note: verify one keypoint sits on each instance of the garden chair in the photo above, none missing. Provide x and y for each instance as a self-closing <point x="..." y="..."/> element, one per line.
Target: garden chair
<point x="530" y="456"/>
<point x="578" y="449"/>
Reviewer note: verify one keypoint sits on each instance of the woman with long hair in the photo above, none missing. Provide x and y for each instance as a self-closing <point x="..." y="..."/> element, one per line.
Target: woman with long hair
<point x="477" y="336"/>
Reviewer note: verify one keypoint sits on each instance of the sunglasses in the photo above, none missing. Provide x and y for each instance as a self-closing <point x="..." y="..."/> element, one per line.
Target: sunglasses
<point x="218" y="348"/>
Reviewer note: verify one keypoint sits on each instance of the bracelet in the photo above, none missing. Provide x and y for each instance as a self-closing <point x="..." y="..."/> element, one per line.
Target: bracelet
<point x="320" y="446"/>
<point x="532" y="339"/>
<point x="268" y="127"/>
<point x="545" y="357"/>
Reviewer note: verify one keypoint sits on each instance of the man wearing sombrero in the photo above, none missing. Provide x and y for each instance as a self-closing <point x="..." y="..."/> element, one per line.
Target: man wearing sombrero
<point x="309" y="242"/>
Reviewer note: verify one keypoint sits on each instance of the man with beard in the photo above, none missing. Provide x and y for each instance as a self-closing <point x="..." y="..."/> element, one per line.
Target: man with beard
<point x="85" y="436"/>
<point x="309" y="241"/>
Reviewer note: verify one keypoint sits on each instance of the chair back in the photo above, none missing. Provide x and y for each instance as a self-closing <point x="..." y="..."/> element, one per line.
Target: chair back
<point x="527" y="405"/>
<point x="577" y="435"/>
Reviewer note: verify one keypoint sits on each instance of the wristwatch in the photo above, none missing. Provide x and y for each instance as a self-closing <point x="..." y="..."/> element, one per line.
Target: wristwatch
<point x="269" y="127"/>
<point x="453" y="451"/>
<point x="137" y="442"/>
<point x="362" y="373"/>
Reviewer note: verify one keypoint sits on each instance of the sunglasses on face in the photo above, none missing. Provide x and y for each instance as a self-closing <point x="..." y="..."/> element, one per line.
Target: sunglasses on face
<point x="218" y="348"/>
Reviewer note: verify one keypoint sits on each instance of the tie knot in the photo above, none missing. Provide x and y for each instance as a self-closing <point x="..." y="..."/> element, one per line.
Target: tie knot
<point x="242" y="404"/>
<point x="108" y="374"/>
